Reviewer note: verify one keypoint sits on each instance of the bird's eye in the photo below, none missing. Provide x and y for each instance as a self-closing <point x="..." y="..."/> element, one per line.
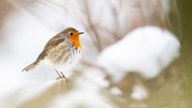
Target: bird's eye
<point x="71" y="34"/>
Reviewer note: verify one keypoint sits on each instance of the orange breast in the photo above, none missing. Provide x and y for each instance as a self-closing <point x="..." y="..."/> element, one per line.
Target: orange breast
<point x="75" y="41"/>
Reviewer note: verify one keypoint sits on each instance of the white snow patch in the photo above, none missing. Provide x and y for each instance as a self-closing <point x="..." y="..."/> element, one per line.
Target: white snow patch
<point x="139" y="92"/>
<point x="116" y="91"/>
<point x="85" y="95"/>
<point x="146" y="50"/>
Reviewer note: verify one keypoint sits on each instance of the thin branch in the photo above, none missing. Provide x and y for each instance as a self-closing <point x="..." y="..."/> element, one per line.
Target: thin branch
<point x="91" y="27"/>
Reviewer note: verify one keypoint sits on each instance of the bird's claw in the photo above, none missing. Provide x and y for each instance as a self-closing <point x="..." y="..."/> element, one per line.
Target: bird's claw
<point x="61" y="75"/>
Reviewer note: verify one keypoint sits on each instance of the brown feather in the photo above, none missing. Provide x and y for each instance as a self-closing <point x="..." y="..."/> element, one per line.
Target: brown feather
<point x="51" y="43"/>
<point x="31" y="66"/>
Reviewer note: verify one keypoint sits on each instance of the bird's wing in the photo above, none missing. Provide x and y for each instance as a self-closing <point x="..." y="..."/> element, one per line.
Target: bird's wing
<point x="49" y="45"/>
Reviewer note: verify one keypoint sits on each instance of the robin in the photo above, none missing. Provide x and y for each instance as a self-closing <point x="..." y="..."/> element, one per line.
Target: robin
<point x="63" y="50"/>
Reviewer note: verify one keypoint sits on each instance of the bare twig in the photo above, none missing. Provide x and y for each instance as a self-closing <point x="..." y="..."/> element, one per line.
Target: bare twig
<point x="91" y="27"/>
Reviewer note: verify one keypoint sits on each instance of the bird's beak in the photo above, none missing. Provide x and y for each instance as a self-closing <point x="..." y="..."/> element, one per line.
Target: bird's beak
<point x="81" y="32"/>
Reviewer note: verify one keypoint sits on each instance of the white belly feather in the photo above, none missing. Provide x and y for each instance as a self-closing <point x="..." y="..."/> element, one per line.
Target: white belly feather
<point x="62" y="57"/>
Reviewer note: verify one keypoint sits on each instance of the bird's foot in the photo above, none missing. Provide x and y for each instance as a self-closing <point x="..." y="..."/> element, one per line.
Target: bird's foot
<point x="60" y="75"/>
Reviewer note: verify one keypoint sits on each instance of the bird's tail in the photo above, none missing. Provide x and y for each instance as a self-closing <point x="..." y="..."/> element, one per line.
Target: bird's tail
<point x="31" y="66"/>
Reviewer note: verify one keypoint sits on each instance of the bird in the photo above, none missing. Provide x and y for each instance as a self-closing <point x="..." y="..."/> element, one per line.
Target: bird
<point x="63" y="50"/>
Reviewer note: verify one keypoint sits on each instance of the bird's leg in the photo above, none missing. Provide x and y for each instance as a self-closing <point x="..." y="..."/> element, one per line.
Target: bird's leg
<point x="60" y="75"/>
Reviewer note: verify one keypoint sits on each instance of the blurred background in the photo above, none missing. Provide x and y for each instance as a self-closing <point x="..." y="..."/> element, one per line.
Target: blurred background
<point x="136" y="54"/>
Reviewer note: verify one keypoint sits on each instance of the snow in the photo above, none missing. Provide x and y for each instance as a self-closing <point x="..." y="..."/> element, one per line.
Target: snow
<point x="86" y="94"/>
<point x="116" y="91"/>
<point x="139" y="92"/>
<point x="146" y="50"/>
